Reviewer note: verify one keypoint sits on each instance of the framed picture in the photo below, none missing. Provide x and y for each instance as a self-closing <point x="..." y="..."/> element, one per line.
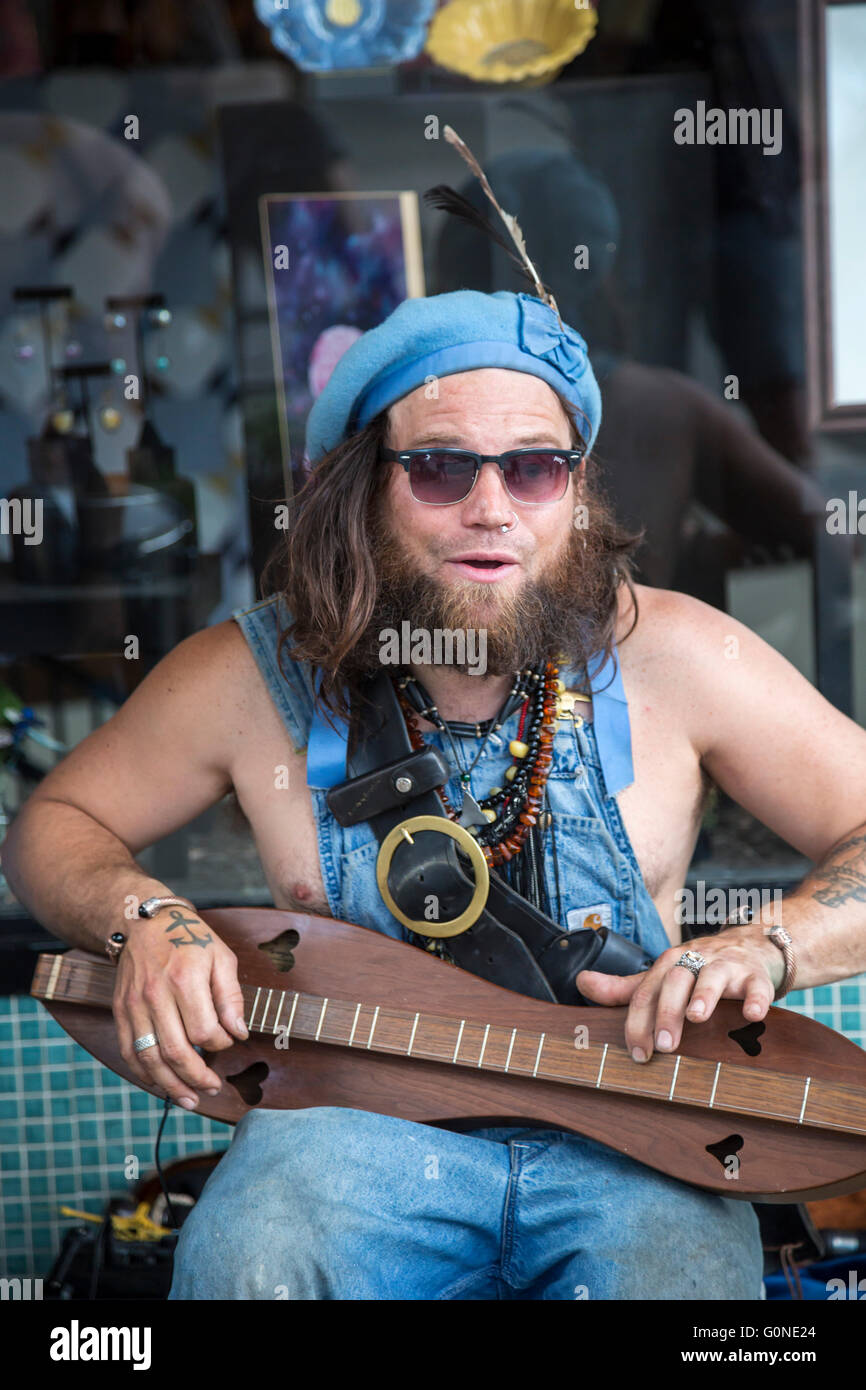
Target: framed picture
<point x="336" y="264"/>
<point x="833" y="48"/>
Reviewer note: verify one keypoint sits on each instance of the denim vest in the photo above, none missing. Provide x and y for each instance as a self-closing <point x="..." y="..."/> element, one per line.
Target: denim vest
<point x="598" y="874"/>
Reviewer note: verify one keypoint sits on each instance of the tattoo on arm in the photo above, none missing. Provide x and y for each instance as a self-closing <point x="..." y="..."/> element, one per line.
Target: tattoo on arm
<point x="844" y="875"/>
<point x="187" y="922"/>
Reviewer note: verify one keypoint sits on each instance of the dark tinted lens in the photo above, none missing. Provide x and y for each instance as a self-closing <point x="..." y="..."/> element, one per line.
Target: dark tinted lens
<point x="438" y="475"/>
<point x="539" y="476"/>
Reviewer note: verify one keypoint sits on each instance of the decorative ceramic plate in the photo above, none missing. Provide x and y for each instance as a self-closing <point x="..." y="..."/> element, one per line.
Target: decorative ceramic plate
<point x="323" y="35"/>
<point x="510" y="40"/>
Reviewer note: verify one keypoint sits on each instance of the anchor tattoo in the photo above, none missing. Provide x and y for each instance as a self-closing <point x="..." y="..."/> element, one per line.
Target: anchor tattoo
<point x="188" y="922"/>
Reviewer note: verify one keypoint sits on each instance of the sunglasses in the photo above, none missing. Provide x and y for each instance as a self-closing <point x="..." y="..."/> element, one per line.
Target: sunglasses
<point x="441" y="477"/>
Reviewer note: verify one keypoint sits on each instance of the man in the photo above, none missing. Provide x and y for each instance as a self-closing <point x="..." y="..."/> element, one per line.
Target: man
<point x="339" y="1203"/>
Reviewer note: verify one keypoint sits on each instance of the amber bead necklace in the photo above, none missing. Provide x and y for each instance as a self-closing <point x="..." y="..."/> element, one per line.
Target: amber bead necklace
<point x="511" y="811"/>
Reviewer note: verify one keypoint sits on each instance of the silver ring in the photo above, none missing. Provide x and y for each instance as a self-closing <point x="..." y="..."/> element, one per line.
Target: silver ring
<point x="693" y="961"/>
<point x="510" y="528"/>
<point x="142" y="1044"/>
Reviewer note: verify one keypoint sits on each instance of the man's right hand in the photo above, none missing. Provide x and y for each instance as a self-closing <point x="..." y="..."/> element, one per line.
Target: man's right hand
<point x="176" y="979"/>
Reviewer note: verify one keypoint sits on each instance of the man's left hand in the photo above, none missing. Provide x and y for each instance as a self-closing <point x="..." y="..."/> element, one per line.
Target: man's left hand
<point x="741" y="963"/>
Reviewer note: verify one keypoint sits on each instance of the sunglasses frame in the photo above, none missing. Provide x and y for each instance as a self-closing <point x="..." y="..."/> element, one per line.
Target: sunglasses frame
<point x="404" y="457"/>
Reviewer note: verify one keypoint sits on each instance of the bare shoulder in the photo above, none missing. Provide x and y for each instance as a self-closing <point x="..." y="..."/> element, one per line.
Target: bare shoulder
<point x="205" y="691"/>
<point x="171" y="749"/>
<point x="725" y="683"/>
<point x="217" y="667"/>
<point x="671" y="625"/>
<point x="216" y="660"/>
<point x="762" y="731"/>
<point x="696" y="660"/>
<point x="655" y="625"/>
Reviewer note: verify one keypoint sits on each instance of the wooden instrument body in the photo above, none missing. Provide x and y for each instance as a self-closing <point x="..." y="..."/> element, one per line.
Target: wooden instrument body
<point x="776" y="1161"/>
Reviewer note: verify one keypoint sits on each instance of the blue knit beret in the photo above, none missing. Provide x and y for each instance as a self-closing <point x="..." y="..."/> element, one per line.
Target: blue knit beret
<point x="446" y="333"/>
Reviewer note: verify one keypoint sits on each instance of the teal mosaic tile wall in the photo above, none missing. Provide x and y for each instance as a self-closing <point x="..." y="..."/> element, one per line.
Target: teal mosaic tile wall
<point x="67" y="1124"/>
<point x="841" y="1006"/>
<point x="67" y="1127"/>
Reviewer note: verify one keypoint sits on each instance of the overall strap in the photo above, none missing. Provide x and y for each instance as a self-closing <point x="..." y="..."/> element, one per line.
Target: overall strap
<point x="326" y="751"/>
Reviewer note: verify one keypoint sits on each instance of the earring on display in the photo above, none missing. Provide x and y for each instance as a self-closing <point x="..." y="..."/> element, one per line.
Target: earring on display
<point x="160" y="318"/>
<point x="62" y="415"/>
<point x="108" y="415"/>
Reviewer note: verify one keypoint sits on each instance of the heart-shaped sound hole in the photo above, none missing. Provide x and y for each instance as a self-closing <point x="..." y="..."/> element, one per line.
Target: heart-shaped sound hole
<point x="279" y="951"/>
<point x="248" y="1083"/>
<point x="748" y="1036"/>
<point x="726" y="1149"/>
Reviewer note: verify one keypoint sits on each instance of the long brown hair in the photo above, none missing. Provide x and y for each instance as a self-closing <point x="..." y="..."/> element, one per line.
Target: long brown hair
<point x="325" y="573"/>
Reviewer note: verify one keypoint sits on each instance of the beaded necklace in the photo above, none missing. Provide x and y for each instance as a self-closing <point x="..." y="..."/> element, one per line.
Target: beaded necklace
<point x="513" y="810"/>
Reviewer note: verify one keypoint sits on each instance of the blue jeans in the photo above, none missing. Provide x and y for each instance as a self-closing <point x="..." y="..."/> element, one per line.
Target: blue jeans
<point x="331" y="1203"/>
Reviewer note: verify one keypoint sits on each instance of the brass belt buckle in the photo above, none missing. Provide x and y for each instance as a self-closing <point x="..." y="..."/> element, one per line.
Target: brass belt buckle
<point x="470" y="846"/>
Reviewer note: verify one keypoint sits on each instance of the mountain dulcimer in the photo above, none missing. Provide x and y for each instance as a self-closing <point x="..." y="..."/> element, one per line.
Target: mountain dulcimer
<point x="341" y="1015"/>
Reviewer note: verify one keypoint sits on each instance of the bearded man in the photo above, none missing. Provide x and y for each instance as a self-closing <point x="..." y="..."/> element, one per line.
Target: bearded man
<point x="451" y="489"/>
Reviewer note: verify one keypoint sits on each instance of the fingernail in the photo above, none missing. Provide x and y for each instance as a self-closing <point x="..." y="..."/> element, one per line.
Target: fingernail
<point x="213" y="1092"/>
<point x="638" y="1054"/>
<point x="664" y="1040"/>
<point x="698" y="1009"/>
<point x="242" y="1027"/>
<point x="187" y="1103"/>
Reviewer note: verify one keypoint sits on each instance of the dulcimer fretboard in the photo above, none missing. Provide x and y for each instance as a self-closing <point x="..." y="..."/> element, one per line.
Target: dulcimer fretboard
<point x="674" y="1078"/>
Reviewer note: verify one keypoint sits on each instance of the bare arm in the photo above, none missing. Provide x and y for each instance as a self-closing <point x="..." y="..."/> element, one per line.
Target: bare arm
<point x="162" y="759"/>
<point x="782" y="751"/>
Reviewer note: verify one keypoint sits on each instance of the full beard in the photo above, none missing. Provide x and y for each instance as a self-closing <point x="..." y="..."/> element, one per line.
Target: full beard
<point x="533" y="623"/>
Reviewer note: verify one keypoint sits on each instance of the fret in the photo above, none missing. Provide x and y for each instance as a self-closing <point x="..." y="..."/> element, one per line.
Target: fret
<point x="601" y="1068"/>
<point x="715" y="1084"/>
<point x="674" y="1081"/>
<point x="263" y="1024"/>
<point x="255" y="1006"/>
<point x="805" y="1094"/>
<point x="279" y="1011"/>
<point x="56" y="965"/>
<point x="354" y="1024"/>
<point x="510" y="1047"/>
<point x="483" y="1045"/>
<point x="372" y="1026"/>
<point x="412" y="1038"/>
<point x="291" y="1016"/>
<point x="538" y="1054"/>
<point x="321" y="1018"/>
<point x="459" y="1036"/>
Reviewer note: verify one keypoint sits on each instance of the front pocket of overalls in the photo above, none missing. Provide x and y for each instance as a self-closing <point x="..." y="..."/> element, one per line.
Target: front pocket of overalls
<point x="593" y="874"/>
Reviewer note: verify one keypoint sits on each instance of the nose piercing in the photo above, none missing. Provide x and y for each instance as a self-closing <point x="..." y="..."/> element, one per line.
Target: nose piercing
<point x="503" y="527"/>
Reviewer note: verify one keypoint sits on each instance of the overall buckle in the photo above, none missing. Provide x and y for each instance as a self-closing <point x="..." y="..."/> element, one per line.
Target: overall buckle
<point x="471" y="849"/>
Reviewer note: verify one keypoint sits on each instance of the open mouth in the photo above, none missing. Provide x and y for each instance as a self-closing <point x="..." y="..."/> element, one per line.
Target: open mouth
<point x="483" y="567"/>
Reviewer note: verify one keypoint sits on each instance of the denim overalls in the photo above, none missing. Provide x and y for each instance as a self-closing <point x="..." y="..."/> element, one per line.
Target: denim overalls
<point x="343" y="1204"/>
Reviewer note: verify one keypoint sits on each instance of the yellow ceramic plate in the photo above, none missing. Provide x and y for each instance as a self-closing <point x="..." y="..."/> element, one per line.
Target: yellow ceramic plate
<point x="509" y="40"/>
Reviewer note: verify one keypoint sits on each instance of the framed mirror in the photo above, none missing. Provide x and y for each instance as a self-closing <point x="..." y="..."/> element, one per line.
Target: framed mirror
<point x="833" y="48"/>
